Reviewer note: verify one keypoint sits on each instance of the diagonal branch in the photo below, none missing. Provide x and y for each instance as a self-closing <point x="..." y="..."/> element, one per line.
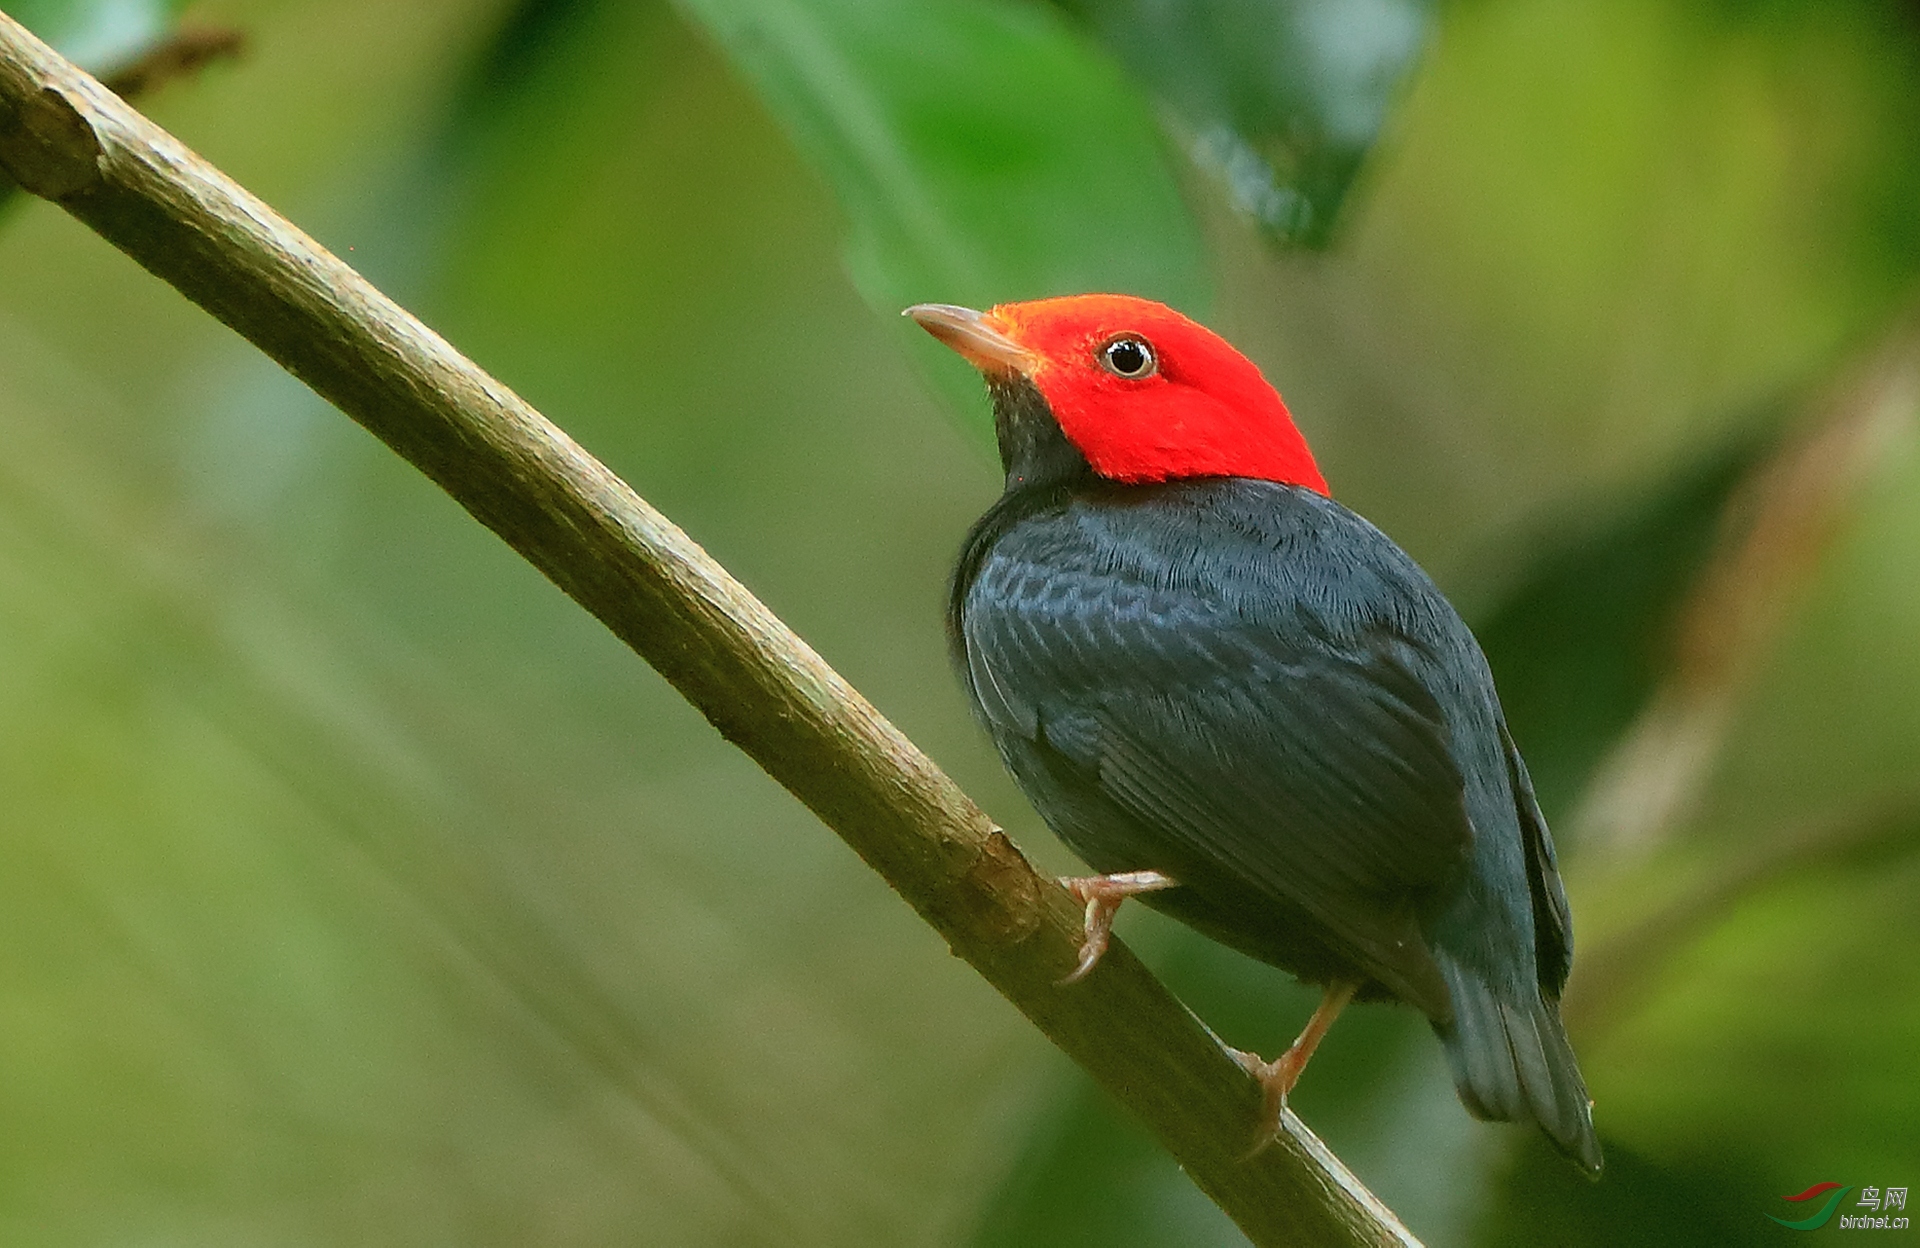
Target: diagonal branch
<point x="66" y="138"/>
<point x="185" y="52"/>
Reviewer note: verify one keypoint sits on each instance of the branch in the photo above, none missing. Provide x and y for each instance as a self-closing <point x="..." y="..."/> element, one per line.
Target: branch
<point x="66" y="138"/>
<point x="181" y="54"/>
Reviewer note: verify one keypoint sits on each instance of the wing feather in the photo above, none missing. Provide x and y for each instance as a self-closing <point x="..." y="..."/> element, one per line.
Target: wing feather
<point x="1251" y="715"/>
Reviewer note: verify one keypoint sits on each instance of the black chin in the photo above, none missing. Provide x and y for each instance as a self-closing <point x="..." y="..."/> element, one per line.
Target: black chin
<point x="1033" y="450"/>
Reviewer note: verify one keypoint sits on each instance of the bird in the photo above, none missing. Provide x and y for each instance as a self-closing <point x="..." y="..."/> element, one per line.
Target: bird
<point x="1239" y="701"/>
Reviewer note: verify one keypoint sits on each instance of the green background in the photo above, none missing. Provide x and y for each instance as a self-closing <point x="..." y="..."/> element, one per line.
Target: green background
<point x="355" y="887"/>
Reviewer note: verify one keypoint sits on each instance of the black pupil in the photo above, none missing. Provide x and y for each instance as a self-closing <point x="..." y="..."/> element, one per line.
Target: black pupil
<point x="1129" y="358"/>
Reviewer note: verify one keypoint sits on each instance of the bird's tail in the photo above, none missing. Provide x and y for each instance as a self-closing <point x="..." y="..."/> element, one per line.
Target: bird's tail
<point x="1512" y="1063"/>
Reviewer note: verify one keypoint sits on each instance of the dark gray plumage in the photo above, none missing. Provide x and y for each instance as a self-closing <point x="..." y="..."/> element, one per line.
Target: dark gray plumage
<point x="1248" y="687"/>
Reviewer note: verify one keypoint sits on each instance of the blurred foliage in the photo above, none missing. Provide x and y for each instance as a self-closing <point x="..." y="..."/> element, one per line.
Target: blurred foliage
<point x="359" y="890"/>
<point x="980" y="152"/>
<point x="1279" y="99"/>
<point x="98" y="35"/>
<point x="1579" y="646"/>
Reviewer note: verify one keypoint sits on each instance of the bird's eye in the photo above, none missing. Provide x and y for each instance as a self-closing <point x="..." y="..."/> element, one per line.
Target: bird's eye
<point x="1128" y="356"/>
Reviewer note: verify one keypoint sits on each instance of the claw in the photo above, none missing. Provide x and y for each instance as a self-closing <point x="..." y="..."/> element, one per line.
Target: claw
<point x="1090" y="950"/>
<point x="1278" y="1077"/>
<point x="1103" y="895"/>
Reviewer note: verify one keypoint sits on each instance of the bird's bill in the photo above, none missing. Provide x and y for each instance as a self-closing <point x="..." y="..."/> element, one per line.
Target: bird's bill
<point x="975" y="335"/>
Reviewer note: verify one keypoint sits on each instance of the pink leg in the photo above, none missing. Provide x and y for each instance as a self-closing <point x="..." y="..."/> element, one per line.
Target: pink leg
<point x="1103" y="895"/>
<point x="1278" y="1076"/>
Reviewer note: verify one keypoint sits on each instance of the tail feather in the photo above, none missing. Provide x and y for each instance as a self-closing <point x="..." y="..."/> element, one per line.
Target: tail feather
<point x="1512" y="1063"/>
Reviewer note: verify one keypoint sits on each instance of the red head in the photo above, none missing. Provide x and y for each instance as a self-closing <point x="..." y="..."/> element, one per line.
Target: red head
<point x="1141" y="391"/>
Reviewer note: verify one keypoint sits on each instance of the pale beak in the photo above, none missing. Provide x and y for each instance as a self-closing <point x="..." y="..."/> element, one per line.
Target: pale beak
<point x="975" y="335"/>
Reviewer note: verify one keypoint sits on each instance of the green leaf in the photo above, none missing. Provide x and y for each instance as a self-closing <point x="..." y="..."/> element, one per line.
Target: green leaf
<point x="1281" y="99"/>
<point x="97" y="35"/>
<point x="981" y="151"/>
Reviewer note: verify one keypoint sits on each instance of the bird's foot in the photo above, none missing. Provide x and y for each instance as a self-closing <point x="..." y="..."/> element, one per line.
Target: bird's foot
<point x="1103" y="895"/>
<point x="1278" y="1077"/>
